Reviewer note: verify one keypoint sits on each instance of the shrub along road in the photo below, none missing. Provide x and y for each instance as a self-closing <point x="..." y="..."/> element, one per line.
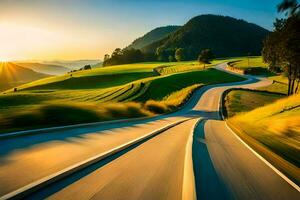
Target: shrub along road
<point x="158" y="168"/>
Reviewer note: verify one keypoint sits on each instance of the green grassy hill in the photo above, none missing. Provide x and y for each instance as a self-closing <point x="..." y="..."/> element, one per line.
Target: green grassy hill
<point x="109" y="88"/>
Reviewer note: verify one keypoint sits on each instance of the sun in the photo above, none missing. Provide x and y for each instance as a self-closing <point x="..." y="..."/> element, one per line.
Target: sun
<point x="3" y="59"/>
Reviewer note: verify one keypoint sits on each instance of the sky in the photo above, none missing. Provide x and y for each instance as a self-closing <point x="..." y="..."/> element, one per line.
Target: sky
<point x="88" y="29"/>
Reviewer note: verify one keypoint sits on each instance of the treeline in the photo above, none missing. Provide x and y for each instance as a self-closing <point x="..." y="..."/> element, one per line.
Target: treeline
<point x="130" y="55"/>
<point x="282" y="47"/>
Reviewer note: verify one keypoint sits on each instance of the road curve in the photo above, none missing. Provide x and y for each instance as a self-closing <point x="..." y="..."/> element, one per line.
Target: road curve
<point x="223" y="166"/>
<point x="238" y="173"/>
<point x="154" y="170"/>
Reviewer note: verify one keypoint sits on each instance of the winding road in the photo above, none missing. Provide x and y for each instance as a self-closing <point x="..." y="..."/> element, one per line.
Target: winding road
<point x="189" y="154"/>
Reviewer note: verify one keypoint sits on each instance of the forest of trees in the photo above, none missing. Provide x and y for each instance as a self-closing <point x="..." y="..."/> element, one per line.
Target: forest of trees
<point x="124" y="56"/>
<point x="130" y="55"/>
<point x="226" y="36"/>
<point x="282" y="47"/>
<point x="237" y="38"/>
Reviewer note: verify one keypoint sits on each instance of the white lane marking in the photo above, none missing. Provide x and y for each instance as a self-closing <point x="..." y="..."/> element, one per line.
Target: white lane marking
<point x="189" y="185"/>
<point x="289" y="181"/>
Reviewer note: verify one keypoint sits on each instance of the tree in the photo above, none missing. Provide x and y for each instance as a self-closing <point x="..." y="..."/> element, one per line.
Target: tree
<point x="87" y="67"/>
<point x="106" y="57"/>
<point x="270" y="52"/>
<point x="205" y="57"/>
<point x="117" y="52"/>
<point x="161" y="54"/>
<point x="290" y="7"/>
<point x="179" y="54"/>
<point x="279" y="24"/>
<point x="282" y="48"/>
<point x="171" y="58"/>
<point x="123" y="56"/>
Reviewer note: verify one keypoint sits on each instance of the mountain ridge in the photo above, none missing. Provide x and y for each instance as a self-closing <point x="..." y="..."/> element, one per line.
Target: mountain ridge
<point x="226" y="36"/>
<point x="153" y="36"/>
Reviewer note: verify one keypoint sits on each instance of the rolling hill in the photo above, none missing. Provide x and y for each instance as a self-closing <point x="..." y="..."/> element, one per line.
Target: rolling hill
<point x="153" y="36"/>
<point x="73" y="64"/>
<point x="12" y="75"/>
<point x="107" y="93"/>
<point x="45" y="68"/>
<point x="226" y="36"/>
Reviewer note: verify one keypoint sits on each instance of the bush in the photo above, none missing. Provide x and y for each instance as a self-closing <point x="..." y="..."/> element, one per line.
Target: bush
<point x="156" y="107"/>
<point x="125" y="110"/>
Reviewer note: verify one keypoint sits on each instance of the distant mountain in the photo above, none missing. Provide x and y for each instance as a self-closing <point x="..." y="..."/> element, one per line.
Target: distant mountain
<point x="12" y="75"/>
<point x="153" y="36"/>
<point x="45" y="68"/>
<point x="73" y="64"/>
<point x="225" y="36"/>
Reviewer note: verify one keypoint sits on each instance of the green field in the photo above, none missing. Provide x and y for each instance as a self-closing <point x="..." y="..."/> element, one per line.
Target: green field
<point x="116" y="85"/>
<point x="253" y="62"/>
<point x="252" y="66"/>
<point x="162" y="87"/>
<point x="261" y="69"/>
<point x="239" y="101"/>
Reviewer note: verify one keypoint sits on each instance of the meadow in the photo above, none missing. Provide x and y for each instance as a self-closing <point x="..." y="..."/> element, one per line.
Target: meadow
<point x="101" y="92"/>
<point x="239" y="101"/>
<point x="255" y="61"/>
<point x="256" y="66"/>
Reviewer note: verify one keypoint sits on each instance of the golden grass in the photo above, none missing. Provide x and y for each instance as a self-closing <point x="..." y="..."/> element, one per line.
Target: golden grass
<point x="277" y="128"/>
<point x="179" y="97"/>
<point x="54" y="114"/>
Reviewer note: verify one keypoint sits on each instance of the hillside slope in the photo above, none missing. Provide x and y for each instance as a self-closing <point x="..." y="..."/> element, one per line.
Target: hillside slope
<point x="277" y="127"/>
<point x="12" y="75"/>
<point x="153" y="36"/>
<point x="45" y="68"/>
<point x="226" y="36"/>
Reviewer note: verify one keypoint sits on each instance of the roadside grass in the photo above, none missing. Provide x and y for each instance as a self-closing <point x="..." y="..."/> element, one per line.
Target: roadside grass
<point x="280" y="85"/>
<point x="238" y="101"/>
<point x="273" y="130"/>
<point x="48" y="115"/>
